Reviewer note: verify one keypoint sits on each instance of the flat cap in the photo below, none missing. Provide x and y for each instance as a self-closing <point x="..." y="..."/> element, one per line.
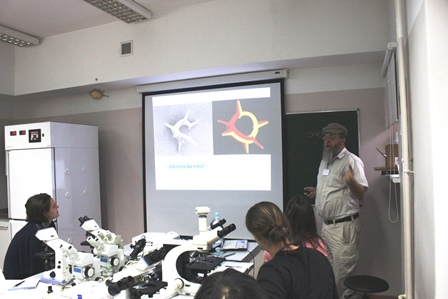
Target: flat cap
<point x="335" y="128"/>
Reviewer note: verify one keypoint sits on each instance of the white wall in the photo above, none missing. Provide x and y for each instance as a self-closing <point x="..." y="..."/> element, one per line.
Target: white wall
<point x="7" y="72"/>
<point x="307" y="80"/>
<point x="118" y="99"/>
<point x="299" y="81"/>
<point x="428" y="46"/>
<point x="222" y="33"/>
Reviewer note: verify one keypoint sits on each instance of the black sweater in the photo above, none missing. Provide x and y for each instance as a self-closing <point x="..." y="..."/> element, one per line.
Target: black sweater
<point x="298" y="274"/>
<point x="20" y="259"/>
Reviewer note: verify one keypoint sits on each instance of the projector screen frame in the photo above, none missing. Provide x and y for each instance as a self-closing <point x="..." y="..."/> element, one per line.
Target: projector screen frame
<point x="188" y="211"/>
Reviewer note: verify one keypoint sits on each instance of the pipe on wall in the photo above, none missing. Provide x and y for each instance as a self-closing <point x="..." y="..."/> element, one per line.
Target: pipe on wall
<point x="389" y="50"/>
<point x="406" y="173"/>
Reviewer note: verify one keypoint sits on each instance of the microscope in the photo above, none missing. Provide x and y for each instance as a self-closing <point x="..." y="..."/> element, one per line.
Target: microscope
<point x="107" y="246"/>
<point x="199" y="262"/>
<point x="148" y="242"/>
<point x="69" y="264"/>
<point x="173" y="266"/>
<point x="136" y="279"/>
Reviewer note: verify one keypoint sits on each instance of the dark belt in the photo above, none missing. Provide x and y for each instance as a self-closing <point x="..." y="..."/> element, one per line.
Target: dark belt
<point x="345" y="219"/>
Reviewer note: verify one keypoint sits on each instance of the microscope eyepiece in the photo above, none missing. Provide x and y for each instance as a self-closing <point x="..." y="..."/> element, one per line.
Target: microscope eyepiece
<point x="226" y="230"/>
<point x="114" y="288"/>
<point x="83" y="219"/>
<point x="219" y="223"/>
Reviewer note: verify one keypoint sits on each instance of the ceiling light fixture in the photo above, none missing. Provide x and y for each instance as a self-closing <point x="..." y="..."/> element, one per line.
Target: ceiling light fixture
<point x="128" y="11"/>
<point x="17" y="38"/>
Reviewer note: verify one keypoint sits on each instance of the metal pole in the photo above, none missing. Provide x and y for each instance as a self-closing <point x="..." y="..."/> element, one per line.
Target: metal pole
<point x="404" y="148"/>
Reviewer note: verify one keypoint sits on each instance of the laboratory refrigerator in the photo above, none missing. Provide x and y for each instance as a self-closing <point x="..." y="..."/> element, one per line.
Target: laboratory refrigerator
<point x="59" y="159"/>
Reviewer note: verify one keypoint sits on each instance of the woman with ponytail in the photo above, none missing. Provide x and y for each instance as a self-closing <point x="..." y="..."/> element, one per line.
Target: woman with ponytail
<point x="295" y="271"/>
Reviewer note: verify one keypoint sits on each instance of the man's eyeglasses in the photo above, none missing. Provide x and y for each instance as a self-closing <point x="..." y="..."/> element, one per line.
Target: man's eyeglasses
<point x="329" y="136"/>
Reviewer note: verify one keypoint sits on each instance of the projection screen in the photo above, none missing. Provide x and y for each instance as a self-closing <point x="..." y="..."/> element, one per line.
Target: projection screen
<point x="216" y="146"/>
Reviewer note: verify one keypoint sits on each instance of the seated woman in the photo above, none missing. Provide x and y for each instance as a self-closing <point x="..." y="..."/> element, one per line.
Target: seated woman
<point x="230" y="284"/>
<point x="20" y="259"/>
<point x="300" y="214"/>
<point x="294" y="272"/>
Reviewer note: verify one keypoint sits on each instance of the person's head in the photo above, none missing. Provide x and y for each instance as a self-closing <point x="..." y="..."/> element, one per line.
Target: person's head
<point x="267" y="223"/>
<point x="300" y="214"/>
<point x="230" y="284"/>
<point x="41" y="208"/>
<point x="334" y="136"/>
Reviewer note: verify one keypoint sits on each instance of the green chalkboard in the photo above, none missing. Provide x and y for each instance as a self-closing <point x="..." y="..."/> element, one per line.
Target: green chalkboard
<point x="303" y="144"/>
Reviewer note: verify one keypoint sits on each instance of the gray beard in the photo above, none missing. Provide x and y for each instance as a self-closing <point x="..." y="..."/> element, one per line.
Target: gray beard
<point x="327" y="154"/>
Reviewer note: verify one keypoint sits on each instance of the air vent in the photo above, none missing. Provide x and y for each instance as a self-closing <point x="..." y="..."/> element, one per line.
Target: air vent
<point x="126" y="48"/>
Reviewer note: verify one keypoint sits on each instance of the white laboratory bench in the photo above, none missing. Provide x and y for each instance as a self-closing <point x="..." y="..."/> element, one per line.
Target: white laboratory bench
<point x="243" y="261"/>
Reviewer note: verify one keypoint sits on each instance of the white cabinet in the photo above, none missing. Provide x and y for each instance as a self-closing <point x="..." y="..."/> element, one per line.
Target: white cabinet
<point x="58" y="159"/>
<point x="5" y="239"/>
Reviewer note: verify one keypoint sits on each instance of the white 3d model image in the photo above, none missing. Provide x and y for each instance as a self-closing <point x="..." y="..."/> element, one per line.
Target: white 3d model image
<point x="177" y="134"/>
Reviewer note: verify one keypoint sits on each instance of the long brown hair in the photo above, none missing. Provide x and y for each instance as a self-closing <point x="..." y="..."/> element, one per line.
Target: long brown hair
<point x="37" y="207"/>
<point x="266" y="220"/>
<point x="300" y="214"/>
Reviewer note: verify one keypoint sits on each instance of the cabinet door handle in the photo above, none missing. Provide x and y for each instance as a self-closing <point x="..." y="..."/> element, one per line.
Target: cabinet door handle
<point x="4" y="227"/>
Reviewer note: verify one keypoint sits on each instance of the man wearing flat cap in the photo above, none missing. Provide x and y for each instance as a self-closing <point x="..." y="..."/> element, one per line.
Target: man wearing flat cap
<point x="341" y="185"/>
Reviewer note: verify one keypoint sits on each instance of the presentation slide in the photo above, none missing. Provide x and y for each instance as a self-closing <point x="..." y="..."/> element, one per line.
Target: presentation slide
<point x="219" y="147"/>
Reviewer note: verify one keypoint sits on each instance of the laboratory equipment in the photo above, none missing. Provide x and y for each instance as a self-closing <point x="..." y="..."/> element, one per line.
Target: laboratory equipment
<point x="161" y="265"/>
<point x="58" y="159"/>
<point x="107" y="246"/>
<point x="200" y="262"/>
<point x="69" y="264"/>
